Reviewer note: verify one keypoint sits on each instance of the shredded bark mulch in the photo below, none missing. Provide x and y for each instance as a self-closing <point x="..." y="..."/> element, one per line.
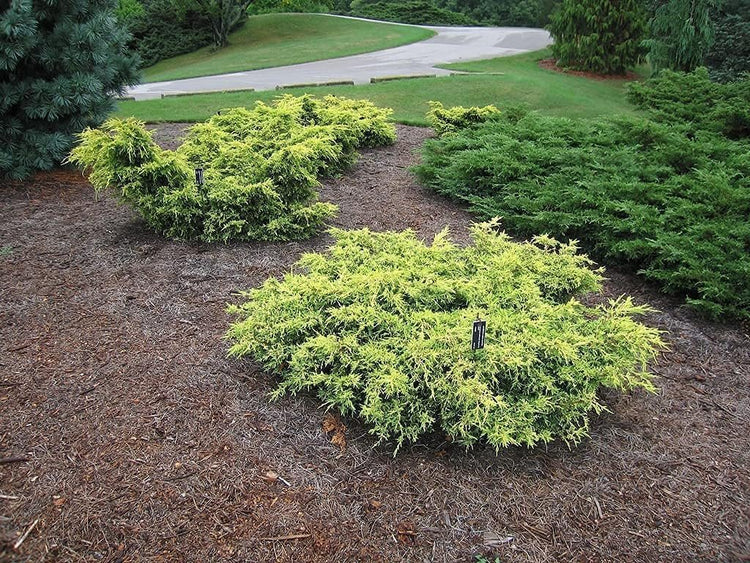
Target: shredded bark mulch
<point x="127" y="435"/>
<point x="551" y="64"/>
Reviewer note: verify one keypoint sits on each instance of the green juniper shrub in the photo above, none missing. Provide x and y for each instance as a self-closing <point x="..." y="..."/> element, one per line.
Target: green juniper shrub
<point x="380" y="328"/>
<point x="261" y="167"/>
<point x="693" y="98"/>
<point x="672" y="201"/>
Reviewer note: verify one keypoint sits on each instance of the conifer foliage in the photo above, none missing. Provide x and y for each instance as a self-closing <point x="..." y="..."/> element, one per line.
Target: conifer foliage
<point x="379" y="327"/>
<point x="598" y="35"/>
<point x="681" y="34"/>
<point x="260" y="167"/>
<point x="61" y="62"/>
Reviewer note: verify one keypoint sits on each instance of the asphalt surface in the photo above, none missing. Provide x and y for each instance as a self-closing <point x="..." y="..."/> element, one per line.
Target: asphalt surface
<point x="451" y="44"/>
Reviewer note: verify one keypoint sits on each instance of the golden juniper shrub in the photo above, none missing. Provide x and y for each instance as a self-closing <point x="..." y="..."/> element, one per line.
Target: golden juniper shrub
<point x="380" y="328"/>
<point x="449" y="120"/>
<point x="260" y="167"/>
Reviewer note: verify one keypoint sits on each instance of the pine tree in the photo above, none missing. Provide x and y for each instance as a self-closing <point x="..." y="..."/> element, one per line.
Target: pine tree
<point x="598" y="35"/>
<point x="61" y="63"/>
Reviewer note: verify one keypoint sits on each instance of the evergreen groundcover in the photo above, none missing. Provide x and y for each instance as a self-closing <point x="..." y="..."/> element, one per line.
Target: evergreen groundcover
<point x="670" y="199"/>
<point x="380" y="328"/>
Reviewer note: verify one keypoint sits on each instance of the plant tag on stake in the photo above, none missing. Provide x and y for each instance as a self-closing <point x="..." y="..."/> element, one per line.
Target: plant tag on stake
<point x="199" y="176"/>
<point x="477" y="334"/>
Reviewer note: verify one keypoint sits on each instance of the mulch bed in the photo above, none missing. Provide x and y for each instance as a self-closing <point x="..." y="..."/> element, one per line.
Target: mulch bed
<point x="135" y="438"/>
<point x="551" y="64"/>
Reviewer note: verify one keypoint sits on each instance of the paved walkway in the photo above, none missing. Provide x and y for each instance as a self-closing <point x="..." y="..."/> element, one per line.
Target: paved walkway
<point x="451" y="44"/>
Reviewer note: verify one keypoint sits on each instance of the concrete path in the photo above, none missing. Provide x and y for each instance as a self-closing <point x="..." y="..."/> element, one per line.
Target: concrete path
<point x="451" y="44"/>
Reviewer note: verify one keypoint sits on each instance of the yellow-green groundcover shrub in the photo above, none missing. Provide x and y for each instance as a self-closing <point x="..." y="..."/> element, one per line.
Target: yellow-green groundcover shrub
<point x="380" y="328"/>
<point x="260" y="167"/>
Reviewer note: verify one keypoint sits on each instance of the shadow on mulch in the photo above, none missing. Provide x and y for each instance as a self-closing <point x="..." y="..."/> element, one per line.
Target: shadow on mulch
<point x="139" y="440"/>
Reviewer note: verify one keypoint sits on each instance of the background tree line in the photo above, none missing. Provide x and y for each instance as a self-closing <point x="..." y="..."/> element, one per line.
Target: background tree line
<point x="595" y="35"/>
<point x="609" y="36"/>
<point x="62" y="62"/>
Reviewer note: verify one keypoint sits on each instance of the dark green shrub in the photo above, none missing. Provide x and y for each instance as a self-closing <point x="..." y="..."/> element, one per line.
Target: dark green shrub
<point x="680" y="34"/>
<point x="729" y="57"/>
<point x="285" y="6"/>
<point x="380" y="328"/>
<point x="413" y="12"/>
<point x="164" y="28"/>
<point x="260" y="167"/>
<point x="671" y="201"/>
<point x="692" y="98"/>
<point x="61" y="64"/>
<point x="598" y="35"/>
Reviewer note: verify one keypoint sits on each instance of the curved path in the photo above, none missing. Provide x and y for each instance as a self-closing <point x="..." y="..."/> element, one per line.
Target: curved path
<point x="451" y="44"/>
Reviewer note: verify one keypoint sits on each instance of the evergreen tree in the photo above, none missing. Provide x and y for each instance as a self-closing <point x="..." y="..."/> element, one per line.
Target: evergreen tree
<point x="598" y="35"/>
<point x="681" y="34"/>
<point x="61" y="62"/>
<point x="224" y="16"/>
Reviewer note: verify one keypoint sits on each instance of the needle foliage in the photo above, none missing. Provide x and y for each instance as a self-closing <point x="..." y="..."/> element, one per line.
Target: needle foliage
<point x="601" y="36"/>
<point x="260" y="167"/>
<point x="670" y="199"/>
<point x="61" y="64"/>
<point x="380" y="328"/>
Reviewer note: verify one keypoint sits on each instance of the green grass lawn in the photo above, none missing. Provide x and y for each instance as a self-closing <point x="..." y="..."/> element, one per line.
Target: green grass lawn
<point x="523" y="82"/>
<point x="283" y="39"/>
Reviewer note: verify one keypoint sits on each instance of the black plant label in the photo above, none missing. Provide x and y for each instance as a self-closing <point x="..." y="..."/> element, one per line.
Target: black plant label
<point x="477" y="334"/>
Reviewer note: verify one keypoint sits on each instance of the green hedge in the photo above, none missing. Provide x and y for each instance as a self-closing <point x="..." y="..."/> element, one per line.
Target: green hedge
<point x="260" y="167"/>
<point x="380" y="328"/>
<point x="671" y="201"/>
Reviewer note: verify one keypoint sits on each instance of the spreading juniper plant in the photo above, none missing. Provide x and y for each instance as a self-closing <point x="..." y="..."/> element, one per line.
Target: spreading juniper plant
<point x="261" y="167"/>
<point x="692" y="99"/>
<point x="379" y="327"/>
<point x="669" y="199"/>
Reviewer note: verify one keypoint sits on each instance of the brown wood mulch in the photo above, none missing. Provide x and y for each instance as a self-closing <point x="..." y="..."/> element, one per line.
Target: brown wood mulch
<point x="127" y="435"/>
<point x="551" y="64"/>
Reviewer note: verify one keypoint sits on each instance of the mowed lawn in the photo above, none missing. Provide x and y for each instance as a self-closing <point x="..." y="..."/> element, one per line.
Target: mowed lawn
<point x="283" y="39"/>
<point x="502" y="81"/>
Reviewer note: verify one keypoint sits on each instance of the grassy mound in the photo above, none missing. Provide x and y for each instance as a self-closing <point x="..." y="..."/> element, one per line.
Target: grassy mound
<point x="260" y="167"/>
<point x="380" y="328"/>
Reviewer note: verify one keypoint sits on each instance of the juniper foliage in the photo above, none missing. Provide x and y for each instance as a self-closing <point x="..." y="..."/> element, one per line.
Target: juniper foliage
<point x="669" y="199"/>
<point x="260" y="167"/>
<point x="379" y="328"/>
